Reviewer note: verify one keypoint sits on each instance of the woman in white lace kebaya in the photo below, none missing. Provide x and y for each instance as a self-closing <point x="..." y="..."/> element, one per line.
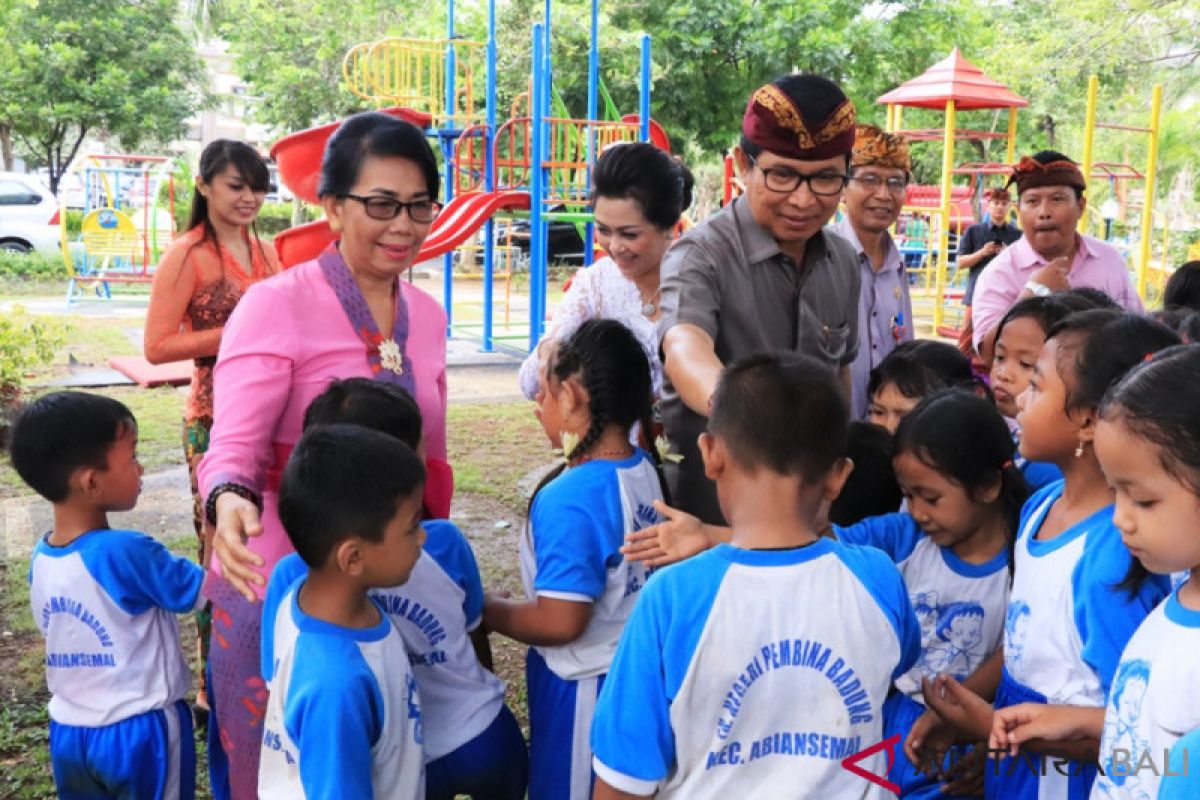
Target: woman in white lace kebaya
<point x="638" y="196"/>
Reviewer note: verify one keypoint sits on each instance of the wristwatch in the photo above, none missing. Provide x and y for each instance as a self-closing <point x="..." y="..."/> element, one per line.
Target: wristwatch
<point x="1039" y="289"/>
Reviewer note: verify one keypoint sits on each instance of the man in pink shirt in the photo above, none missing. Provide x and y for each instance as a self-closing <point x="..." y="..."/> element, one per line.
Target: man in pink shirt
<point x="1051" y="256"/>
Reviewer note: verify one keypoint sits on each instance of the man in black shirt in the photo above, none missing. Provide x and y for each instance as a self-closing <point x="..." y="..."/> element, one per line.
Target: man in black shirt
<point x="981" y="243"/>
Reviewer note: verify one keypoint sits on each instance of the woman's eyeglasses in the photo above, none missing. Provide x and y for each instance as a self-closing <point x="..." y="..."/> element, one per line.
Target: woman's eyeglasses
<point x="420" y="211"/>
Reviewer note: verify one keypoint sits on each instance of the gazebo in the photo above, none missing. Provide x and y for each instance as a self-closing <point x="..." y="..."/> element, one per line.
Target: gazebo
<point x="952" y="85"/>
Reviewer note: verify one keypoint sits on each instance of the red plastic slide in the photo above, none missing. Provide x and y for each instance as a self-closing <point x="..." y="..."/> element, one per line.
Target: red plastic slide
<point x="463" y="216"/>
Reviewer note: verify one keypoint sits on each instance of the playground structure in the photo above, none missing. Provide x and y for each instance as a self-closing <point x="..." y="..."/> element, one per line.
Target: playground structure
<point x="535" y="165"/>
<point x="123" y="230"/>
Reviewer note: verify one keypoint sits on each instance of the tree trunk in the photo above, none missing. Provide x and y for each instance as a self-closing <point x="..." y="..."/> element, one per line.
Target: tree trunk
<point x="6" y="150"/>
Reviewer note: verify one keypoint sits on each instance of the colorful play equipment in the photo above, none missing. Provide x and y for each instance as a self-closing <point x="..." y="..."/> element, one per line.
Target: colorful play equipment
<point x="536" y="165"/>
<point x="124" y="229"/>
<point x="952" y="85"/>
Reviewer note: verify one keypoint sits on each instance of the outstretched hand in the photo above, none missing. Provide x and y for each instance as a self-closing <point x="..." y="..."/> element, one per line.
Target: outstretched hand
<point x="968" y="713"/>
<point x="680" y="536"/>
<point x="1026" y="723"/>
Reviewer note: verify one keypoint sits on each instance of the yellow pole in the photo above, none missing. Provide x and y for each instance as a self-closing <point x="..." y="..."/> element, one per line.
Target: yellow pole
<point x="1089" y="136"/>
<point x="889" y="123"/>
<point x="898" y="119"/>
<point x="944" y="244"/>
<point x="1010" y="155"/>
<point x="1148" y="200"/>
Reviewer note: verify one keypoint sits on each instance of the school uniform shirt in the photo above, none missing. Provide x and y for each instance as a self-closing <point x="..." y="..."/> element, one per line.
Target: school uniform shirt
<point x="1037" y="474"/>
<point x="1154" y="700"/>
<point x="434" y="611"/>
<point x="747" y="673"/>
<point x="571" y="551"/>
<point x="106" y="605"/>
<point x="344" y="716"/>
<point x="959" y="606"/>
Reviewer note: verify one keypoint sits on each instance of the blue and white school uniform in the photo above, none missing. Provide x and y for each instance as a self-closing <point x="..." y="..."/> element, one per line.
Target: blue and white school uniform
<point x="106" y="605"/>
<point x="577" y="524"/>
<point x="1037" y="474"/>
<point x="344" y="714"/>
<point x="1154" y="700"/>
<point x="754" y="673"/>
<point x="1065" y="628"/>
<point x="473" y="744"/>
<point x="1185" y="784"/>
<point x="960" y="608"/>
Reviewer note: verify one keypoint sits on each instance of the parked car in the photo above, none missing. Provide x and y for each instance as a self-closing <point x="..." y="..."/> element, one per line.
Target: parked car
<point x="29" y="215"/>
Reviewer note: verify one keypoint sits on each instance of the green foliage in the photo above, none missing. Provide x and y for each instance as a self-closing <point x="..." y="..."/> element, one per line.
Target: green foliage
<point x="74" y="67"/>
<point x="32" y="266"/>
<point x="25" y="342"/>
<point x="274" y="218"/>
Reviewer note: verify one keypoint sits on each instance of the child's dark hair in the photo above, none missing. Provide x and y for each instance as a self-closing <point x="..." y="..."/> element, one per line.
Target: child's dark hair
<point x="1181" y="319"/>
<point x="344" y="481"/>
<point x="871" y="489"/>
<point x="64" y="431"/>
<point x="1159" y="401"/>
<point x="216" y="156"/>
<point x="920" y="367"/>
<point x="656" y="181"/>
<point x="1093" y="297"/>
<point x="1183" y="287"/>
<point x="1047" y="311"/>
<point x="1097" y="347"/>
<point x="380" y="406"/>
<point x="964" y="437"/>
<point x="611" y="365"/>
<point x="782" y="412"/>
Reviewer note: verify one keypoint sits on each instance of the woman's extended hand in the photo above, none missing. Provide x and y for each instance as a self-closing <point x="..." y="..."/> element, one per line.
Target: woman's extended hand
<point x="680" y="536"/>
<point x="237" y="519"/>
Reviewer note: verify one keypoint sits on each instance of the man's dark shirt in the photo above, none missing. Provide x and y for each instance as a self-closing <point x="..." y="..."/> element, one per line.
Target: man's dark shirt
<point x="973" y="241"/>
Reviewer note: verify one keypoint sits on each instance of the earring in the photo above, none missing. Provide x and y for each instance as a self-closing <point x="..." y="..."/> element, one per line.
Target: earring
<point x="335" y="226"/>
<point x="1079" y="449"/>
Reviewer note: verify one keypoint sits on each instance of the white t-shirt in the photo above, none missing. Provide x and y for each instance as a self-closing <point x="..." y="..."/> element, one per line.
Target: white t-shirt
<point x="748" y="673"/>
<point x="1154" y="700"/>
<point x="106" y="605"/>
<point x="959" y="606"/>
<point x="571" y="551"/>
<point x="435" y="611"/>
<point x="344" y="715"/>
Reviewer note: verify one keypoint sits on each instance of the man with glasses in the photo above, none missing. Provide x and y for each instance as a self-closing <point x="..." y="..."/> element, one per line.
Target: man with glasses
<point x="982" y="242"/>
<point x="879" y="168"/>
<point x="761" y="274"/>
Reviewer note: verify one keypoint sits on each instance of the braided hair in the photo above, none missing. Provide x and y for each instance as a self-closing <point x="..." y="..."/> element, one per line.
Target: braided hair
<point x="610" y="364"/>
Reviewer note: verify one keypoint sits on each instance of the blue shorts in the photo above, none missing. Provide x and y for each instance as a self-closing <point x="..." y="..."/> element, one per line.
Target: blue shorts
<point x="560" y="726"/>
<point x="900" y="712"/>
<point x="492" y="766"/>
<point x="151" y="755"/>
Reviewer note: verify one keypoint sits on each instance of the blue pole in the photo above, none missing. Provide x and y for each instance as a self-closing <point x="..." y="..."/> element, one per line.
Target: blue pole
<point x="447" y="148"/>
<point x="644" y="92"/>
<point x="537" y="260"/>
<point x="589" y="230"/>
<point x="489" y="180"/>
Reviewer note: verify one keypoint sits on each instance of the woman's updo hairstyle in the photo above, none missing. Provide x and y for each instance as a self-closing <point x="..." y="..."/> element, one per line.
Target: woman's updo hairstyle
<point x="372" y="133"/>
<point x="657" y="181"/>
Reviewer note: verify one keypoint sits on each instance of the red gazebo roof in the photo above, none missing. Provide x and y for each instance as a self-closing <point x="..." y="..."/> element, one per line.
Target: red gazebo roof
<point x="953" y="78"/>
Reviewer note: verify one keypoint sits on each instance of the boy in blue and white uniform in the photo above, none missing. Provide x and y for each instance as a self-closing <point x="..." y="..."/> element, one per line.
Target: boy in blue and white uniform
<point x="472" y="742"/>
<point x="733" y="677"/>
<point x="344" y="716"/>
<point x="105" y="601"/>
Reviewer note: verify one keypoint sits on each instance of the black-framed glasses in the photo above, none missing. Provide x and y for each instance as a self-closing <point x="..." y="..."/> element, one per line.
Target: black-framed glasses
<point x="871" y="182"/>
<point x="786" y="181"/>
<point x="377" y="207"/>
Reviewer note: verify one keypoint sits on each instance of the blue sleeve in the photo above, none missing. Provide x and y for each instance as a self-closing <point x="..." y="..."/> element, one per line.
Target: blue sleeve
<point x="334" y="715"/>
<point x="139" y="573"/>
<point x="290" y="569"/>
<point x="1040" y="473"/>
<point x="896" y="534"/>
<point x="567" y="541"/>
<point x="886" y="585"/>
<point x="449" y="548"/>
<point x="1105" y="615"/>
<point x="1185" y="786"/>
<point x="634" y="751"/>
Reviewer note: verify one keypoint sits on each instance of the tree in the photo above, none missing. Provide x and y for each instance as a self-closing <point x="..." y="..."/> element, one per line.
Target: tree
<point x="76" y="67"/>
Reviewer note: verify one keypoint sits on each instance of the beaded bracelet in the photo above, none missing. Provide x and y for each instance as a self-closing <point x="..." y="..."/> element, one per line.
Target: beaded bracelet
<point x="210" y="506"/>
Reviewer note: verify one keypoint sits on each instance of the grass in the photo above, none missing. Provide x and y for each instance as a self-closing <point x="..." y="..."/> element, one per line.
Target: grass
<point x="493" y="446"/>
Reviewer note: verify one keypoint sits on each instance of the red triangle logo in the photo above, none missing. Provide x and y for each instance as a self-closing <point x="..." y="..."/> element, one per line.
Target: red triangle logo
<point x="850" y="763"/>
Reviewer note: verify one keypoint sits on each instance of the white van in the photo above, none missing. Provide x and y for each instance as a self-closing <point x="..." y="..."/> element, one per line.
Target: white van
<point x="29" y="215"/>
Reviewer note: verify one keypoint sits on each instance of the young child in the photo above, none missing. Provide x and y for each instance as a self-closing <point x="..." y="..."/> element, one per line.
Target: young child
<point x="871" y="490"/>
<point x="1071" y="608"/>
<point x="343" y="718"/>
<point x="473" y="744"/>
<point x="1148" y="444"/>
<point x="755" y="668"/>
<point x="952" y="547"/>
<point x="1019" y="339"/>
<point x="105" y="601"/>
<point x="579" y="589"/>
<point x="912" y="371"/>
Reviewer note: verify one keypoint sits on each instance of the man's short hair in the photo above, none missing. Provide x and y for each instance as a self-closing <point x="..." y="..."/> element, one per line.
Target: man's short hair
<point x="783" y="412"/>
<point x="342" y="482"/>
<point x="64" y="431"/>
